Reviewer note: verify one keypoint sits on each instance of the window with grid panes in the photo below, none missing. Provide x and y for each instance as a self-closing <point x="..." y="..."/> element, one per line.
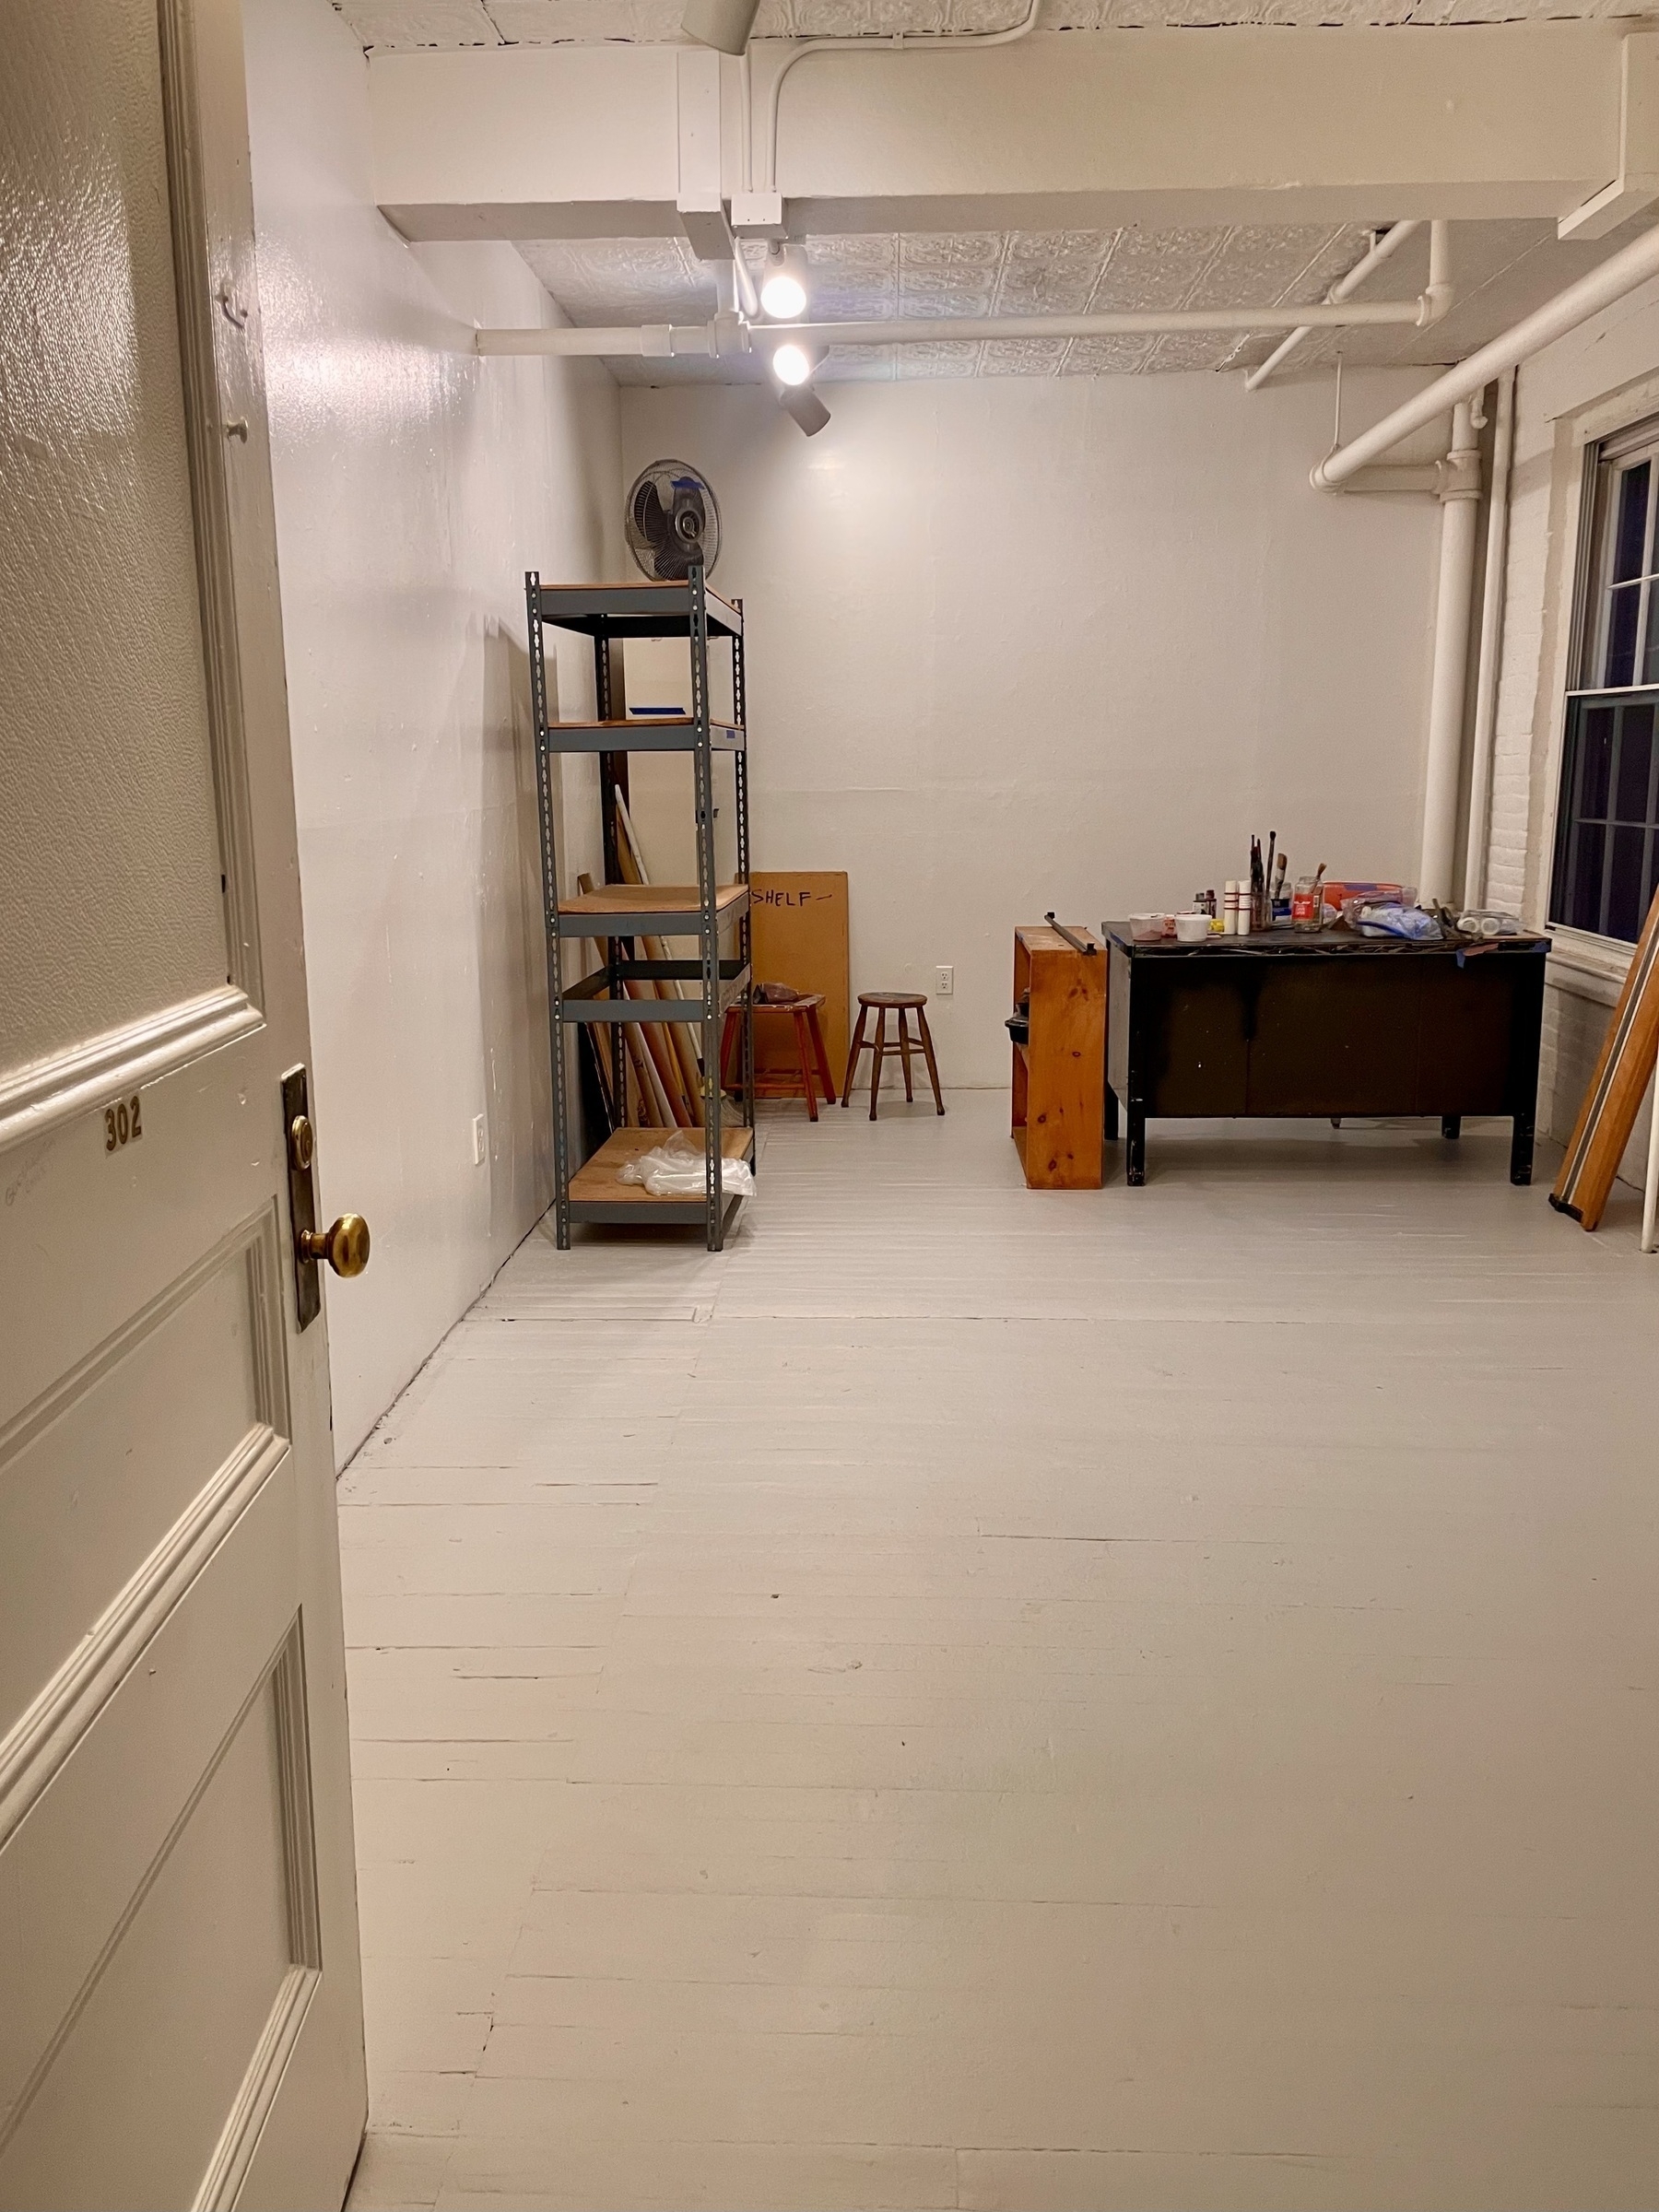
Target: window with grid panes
<point x="1606" y="857"/>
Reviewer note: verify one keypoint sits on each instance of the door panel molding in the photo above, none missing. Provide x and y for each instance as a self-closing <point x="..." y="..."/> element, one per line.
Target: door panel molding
<point x="209" y="423"/>
<point x="50" y="1730"/>
<point x="222" y="2183"/>
<point x="46" y="1093"/>
<point x="228" y="2167"/>
<point x="56" y="1720"/>
<point x="280" y="1679"/>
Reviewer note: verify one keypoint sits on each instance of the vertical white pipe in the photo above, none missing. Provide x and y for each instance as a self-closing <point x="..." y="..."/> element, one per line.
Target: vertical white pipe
<point x="1650" y="1201"/>
<point x="1491" y="642"/>
<point x="1460" y="508"/>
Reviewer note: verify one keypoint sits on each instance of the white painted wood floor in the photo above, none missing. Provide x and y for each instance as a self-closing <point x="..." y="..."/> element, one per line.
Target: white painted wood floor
<point x="983" y="1699"/>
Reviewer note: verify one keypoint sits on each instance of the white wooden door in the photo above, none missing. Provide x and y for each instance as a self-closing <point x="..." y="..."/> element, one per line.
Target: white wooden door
<point x="179" y="1999"/>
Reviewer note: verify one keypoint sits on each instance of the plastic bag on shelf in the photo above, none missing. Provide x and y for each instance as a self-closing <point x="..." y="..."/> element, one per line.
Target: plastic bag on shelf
<point x="678" y="1169"/>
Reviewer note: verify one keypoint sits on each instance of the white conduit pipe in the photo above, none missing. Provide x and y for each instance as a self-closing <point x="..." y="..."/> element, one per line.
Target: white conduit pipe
<point x="660" y="340"/>
<point x="1344" y="288"/>
<point x="1633" y="265"/>
<point x="912" y="43"/>
<point x="1460" y="511"/>
<point x="1491" y="639"/>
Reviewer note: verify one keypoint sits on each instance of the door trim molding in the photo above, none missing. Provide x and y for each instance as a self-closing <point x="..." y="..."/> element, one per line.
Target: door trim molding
<point x="43" y="1094"/>
<point x="227" y="2167"/>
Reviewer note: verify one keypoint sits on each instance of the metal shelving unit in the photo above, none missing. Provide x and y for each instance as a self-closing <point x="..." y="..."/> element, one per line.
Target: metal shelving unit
<point x="619" y="913"/>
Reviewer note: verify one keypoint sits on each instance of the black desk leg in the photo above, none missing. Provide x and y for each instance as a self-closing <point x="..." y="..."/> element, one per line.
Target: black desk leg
<point x="1134" y="1160"/>
<point x="1112" y="1114"/>
<point x="1521" y="1149"/>
<point x="1451" y="1125"/>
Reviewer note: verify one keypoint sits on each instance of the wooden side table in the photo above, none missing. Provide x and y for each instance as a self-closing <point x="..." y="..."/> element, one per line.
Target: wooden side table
<point x="809" y="1045"/>
<point x="1060" y="1072"/>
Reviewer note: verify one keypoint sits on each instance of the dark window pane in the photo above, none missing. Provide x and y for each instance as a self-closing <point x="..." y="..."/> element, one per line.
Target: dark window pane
<point x="1624" y="894"/>
<point x="1635" y="764"/>
<point x="1631" y="537"/>
<point x="1624" y="607"/>
<point x="1595" y="751"/>
<point x="1584" y="888"/>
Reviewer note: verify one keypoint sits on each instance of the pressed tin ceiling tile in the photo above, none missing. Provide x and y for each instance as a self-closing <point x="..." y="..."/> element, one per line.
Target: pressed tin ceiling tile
<point x="1155" y="268"/>
<point x="1107" y="357"/>
<point x="1502" y="268"/>
<point x="1051" y="272"/>
<point x="395" y="26"/>
<point x="1023" y="356"/>
<point x="949" y="273"/>
<point x="935" y="360"/>
<point x="390" y="26"/>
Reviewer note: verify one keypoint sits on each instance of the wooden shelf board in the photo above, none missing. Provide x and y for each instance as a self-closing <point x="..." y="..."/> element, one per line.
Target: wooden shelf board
<point x="612" y="899"/>
<point x="597" y="1180"/>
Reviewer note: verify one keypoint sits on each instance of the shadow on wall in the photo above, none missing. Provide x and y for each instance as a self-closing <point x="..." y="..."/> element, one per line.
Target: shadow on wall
<point x="513" y="972"/>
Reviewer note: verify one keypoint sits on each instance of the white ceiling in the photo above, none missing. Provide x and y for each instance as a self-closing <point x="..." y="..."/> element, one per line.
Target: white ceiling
<point x="400" y="26"/>
<point x="1503" y="269"/>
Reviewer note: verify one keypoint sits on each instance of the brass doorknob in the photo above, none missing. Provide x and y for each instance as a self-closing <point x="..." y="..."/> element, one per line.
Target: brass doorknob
<point x="345" y="1245"/>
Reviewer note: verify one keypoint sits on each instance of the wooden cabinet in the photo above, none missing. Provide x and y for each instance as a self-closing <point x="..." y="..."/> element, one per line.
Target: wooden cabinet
<point x="1060" y="1074"/>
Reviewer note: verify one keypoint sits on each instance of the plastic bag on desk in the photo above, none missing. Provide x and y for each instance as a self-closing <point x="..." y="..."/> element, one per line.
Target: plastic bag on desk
<point x="1389" y="921"/>
<point x="678" y="1169"/>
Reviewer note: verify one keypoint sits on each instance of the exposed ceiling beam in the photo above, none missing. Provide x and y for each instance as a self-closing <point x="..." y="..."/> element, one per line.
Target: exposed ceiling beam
<point x="1075" y="130"/>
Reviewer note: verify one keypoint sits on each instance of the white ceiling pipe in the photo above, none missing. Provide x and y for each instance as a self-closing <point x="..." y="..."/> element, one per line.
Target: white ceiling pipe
<point x="1460" y="513"/>
<point x="657" y="341"/>
<point x="1127" y="322"/>
<point x="911" y="42"/>
<point x="661" y="339"/>
<point x="1627" y="269"/>
<point x="1491" y="639"/>
<point x="1344" y="288"/>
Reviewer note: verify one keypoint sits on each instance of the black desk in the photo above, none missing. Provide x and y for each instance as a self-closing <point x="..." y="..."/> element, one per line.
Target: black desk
<point x="1326" y="1022"/>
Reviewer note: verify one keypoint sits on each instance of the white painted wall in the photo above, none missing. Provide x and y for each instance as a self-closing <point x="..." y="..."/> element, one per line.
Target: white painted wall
<point x="1064" y="643"/>
<point x="414" y="486"/>
<point x="1586" y="385"/>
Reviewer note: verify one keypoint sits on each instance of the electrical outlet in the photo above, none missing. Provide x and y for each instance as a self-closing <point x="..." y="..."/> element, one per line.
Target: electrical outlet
<point x="480" y="1145"/>
<point x="946" y="981"/>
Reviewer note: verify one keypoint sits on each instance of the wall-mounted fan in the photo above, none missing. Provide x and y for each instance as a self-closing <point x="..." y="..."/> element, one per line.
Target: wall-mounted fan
<point x="671" y="520"/>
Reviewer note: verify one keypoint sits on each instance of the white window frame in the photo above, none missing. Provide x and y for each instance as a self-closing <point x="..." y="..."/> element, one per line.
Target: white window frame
<point x="1594" y="967"/>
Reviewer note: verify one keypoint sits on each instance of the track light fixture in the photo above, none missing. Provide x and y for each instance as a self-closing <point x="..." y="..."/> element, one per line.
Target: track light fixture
<point x="783" y="282"/>
<point x="724" y="24"/>
<point x="804" y="405"/>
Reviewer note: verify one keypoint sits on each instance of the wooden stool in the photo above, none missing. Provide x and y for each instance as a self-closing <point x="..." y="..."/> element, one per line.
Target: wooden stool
<point x="809" y="1043"/>
<point x="904" y="1004"/>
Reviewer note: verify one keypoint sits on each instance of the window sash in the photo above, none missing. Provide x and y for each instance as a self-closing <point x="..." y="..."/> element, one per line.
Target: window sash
<point x="1629" y="639"/>
<point x="1606" y="858"/>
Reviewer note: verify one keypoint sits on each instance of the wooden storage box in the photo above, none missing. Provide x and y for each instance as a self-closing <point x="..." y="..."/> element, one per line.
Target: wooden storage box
<point x="1060" y="1075"/>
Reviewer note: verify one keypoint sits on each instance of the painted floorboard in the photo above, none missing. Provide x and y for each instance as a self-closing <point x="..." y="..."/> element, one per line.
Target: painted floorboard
<point x="983" y="1699"/>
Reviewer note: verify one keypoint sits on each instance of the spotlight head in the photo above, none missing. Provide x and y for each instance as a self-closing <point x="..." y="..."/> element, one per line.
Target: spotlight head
<point x="792" y="364"/>
<point x="783" y="283"/>
<point x="802" y="403"/>
<point x="724" y="24"/>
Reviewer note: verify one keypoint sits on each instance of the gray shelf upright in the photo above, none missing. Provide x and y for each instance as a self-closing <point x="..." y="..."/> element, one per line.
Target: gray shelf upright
<point x="610" y="614"/>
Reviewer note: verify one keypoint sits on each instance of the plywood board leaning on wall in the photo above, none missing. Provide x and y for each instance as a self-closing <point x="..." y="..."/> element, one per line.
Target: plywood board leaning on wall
<point x="798" y="925"/>
<point x="1616" y="1089"/>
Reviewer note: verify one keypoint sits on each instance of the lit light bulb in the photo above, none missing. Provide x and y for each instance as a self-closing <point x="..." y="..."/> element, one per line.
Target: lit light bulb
<point x="783" y="283"/>
<point x="792" y="364"/>
<point x="783" y="295"/>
